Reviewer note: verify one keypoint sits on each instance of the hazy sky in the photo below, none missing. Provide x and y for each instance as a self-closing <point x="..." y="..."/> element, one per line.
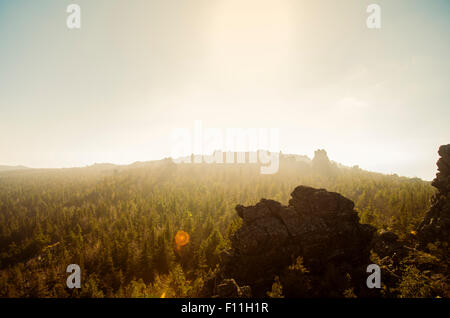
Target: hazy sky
<point x="114" y="90"/>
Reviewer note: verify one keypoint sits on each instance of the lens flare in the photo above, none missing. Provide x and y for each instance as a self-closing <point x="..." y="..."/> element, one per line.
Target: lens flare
<point x="181" y="239"/>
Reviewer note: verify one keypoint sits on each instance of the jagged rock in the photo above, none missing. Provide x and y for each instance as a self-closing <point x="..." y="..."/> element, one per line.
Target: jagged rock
<point x="436" y="224"/>
<point x="321" y="163"/>
<point x="317" y="247"/>
<point x="319" y="226"/>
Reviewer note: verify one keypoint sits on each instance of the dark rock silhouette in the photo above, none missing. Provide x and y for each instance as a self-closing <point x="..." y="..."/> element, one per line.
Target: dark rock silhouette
<point x="319" y="226"/>
<point x="321" y="164"/>
<point x="436" y="224"/>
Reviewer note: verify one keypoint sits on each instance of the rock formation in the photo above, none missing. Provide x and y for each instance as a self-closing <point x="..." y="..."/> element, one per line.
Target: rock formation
<point x="317" y="238"/>
<point x="436" y="224"/>
<point x="316" y="246"/>
<point x="322" y="165"/>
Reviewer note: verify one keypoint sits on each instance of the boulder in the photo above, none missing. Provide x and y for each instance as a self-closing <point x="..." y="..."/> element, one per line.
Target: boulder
<point x="320" y="227"/>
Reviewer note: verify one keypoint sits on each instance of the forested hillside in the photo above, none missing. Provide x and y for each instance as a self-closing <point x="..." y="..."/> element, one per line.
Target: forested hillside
<point x="119" y="222"/>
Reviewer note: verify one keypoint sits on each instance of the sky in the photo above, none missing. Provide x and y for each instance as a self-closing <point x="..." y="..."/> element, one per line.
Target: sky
<point x="115" y="90"/>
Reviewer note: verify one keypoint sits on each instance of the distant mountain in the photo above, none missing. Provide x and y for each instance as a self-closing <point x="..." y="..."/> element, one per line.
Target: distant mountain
<point x="101" y="166"/>
<point x="12" y="168"/>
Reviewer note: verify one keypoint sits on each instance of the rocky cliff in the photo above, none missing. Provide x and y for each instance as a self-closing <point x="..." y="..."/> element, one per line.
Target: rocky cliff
<point x="316" y="240"/>
<point x="436" y="224"/>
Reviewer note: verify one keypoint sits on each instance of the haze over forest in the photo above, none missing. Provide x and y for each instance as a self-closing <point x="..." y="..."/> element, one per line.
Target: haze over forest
<point x="114" y="90"/>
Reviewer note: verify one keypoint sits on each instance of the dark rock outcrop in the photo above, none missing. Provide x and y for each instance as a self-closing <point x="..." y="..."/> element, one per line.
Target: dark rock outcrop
<point x="321" y="163"/>
<point x="436" y="224"/>
<point x="320" y="227"/>
<point x="316" y="246"/>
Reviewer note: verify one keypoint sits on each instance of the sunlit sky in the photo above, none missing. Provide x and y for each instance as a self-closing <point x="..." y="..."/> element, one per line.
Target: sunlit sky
<point x="114" y="90"/>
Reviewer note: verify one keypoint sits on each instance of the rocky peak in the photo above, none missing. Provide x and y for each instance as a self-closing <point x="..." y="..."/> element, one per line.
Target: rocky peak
<point x="320" y="227"/>
<point x="436" y="224"/>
